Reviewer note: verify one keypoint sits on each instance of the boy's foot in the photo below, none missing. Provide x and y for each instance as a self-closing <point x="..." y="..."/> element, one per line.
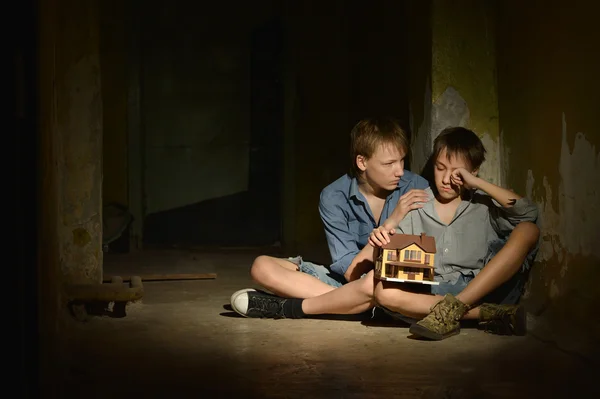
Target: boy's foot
<point x="235" y="294"/>
<point x="443" y="321"/>
<point x="502" y="319"/>
<point x="257" y="304"/>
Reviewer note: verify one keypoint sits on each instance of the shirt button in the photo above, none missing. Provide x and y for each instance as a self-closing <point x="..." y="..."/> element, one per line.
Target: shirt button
<point x="446" y="250"/>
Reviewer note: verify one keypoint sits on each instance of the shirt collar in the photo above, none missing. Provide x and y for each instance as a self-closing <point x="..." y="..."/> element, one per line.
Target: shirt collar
<point x="429" y="207"/>
<point x="354" y="189"/>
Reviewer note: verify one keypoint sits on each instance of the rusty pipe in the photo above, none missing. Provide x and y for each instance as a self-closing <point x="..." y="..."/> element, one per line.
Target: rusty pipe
<point x="115" y="291"/>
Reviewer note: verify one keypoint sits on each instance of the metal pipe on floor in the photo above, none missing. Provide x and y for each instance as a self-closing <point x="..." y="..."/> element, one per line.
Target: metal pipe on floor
<point x="115" y="291"/>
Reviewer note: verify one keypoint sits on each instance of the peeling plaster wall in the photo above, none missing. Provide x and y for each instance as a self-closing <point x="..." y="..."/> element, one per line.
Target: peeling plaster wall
<point x="79" y="128"/>
<point x="71" y="178"/>
<point x="464" y="74"/>
<point x="551" y="132"/>
<point x="459" y="88"/>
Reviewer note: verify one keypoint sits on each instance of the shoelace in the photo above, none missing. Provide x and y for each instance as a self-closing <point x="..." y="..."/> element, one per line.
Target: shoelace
<point x="502" y="312"/>
<point x="441" y="313"/>
<point x="271" y="307"/>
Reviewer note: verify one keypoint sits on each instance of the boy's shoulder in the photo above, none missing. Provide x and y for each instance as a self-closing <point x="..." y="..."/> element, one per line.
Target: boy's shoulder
<point x="337" y="190"/>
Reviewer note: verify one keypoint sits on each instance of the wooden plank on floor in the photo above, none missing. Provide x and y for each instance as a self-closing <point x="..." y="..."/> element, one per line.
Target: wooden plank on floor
<point x="169" y="277"/>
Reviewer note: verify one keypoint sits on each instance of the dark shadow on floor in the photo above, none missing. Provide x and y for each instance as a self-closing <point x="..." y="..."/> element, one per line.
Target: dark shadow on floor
<point x="231" y="221"/>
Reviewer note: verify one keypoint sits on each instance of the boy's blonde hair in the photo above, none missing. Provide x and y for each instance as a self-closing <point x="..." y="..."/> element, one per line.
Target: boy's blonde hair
<point x="368" y="134"/>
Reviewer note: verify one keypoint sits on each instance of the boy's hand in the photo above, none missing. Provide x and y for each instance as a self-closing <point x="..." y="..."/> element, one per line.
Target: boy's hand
<point x="381" y="235"/>
<point x="463" y="178"/>
<point x="413" y="199"/>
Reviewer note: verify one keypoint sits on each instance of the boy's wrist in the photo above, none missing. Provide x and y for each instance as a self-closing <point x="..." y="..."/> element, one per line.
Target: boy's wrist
<point x="478" y="184"/>
<point x="392" y="222"/>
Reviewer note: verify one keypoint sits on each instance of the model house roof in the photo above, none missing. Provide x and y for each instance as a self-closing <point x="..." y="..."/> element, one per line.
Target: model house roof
<point x="401" y="241"/>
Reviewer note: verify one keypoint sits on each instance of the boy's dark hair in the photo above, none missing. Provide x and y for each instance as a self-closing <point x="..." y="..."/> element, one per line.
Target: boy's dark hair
<point x="369" y="133"/>
<point x="461" y="142"/>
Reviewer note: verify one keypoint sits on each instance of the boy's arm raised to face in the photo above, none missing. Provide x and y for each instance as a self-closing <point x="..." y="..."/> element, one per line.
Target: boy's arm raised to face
<point x="463" y="178"/>
<point x="514" y="208"/>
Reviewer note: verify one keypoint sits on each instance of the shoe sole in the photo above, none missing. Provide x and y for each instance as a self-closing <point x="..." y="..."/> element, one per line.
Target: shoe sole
<point x="234" y="297"/>
<point x="425" y="333"/>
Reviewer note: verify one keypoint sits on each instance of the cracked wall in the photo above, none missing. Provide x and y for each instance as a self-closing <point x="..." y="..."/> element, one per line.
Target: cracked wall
<point x="455" y="44"/>
<point x="70" y="146"/>
<point x="550" y="130"/>
<point x="79" y="128"/>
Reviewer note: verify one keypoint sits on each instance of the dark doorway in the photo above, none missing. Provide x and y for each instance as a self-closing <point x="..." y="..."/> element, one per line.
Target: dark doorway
<point x="266" y="144"/>
<point x="251" y="217"/>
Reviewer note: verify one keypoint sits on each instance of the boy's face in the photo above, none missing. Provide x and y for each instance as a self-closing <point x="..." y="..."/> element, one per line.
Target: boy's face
<point x="443" y="169"/>
<point x="384" y="169"/>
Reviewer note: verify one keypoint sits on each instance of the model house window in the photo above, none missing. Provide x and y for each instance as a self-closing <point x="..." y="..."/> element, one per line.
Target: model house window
<point x="426" y="273"/>
<point x="427" y="259"/>
<point x="392" y="271"/>
<point x="409" y="270"/>
<point x="412" y="255"/>
<point x="392" y="256"/>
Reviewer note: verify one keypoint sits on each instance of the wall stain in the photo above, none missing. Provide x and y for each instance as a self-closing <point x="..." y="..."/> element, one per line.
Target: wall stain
<point x="81" y="237"/>
<point x="572" y="229"/>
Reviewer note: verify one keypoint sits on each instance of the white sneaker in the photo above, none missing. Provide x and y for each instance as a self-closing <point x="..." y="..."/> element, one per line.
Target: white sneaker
<point x="258" y="304"/>
<point x="239" y="302"/>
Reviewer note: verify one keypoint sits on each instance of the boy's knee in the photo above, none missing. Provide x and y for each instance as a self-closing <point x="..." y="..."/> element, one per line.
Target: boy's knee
<point x="260" y="267"/>
<point x="389" y="297"/>
<point x="367" y="284"/>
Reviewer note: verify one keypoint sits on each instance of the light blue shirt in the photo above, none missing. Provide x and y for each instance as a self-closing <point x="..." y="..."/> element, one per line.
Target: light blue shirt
<point x="348" y="219"/>
<point x="463" y="245"/>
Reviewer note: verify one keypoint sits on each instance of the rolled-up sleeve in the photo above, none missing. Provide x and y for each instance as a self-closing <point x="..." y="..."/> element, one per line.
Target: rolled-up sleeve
<point x="504" y="219"/>
<point x="342" y="243"/>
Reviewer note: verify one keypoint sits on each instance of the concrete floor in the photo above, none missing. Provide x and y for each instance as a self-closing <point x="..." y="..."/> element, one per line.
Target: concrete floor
<point x="181" y="341"/>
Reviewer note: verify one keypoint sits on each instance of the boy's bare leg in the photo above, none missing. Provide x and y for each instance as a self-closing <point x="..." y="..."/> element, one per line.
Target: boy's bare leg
<point x="503" y="266"/>
<point x="393" y="297"/>
<point x="352" y="298"/>
<point x="499" y="270"/>
<point x="282" y="277"/>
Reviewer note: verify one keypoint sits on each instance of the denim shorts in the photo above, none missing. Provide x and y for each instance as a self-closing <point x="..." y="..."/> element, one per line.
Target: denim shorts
<point x="323" y="273"/>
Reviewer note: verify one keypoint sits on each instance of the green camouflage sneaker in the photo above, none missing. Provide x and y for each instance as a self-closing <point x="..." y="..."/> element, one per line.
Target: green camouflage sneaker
<point x="443" y="321"/>
<point x="502" y="319"/>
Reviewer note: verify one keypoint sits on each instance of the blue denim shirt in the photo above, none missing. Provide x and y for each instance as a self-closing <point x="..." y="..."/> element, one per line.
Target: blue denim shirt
<point x="347" y="216"/>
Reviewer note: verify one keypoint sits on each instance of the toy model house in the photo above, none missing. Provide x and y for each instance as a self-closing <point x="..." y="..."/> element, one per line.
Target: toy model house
<point x="407" y="258"/>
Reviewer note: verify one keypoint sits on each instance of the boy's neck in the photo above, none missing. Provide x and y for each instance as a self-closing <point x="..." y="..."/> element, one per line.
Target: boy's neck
<point x="446" y="210"/>
<point x="448" y="203"/>
<point x="371" y="191"/>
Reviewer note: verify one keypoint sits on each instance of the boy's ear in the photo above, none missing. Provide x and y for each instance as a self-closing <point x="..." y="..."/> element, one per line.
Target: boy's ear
<point x="361" y="162"/>
<point x="475" y="172"/>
